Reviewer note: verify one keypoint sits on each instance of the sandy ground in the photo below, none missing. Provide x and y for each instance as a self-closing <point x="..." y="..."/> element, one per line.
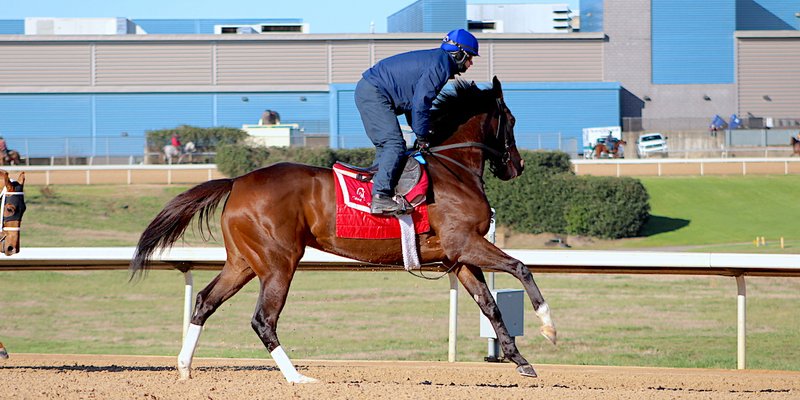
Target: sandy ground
<point x="49" y="376"/>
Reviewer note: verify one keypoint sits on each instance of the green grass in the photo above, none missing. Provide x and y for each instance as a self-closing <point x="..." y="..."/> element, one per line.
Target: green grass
<point x="602" y="319"/>
<point x="727" y="211"/>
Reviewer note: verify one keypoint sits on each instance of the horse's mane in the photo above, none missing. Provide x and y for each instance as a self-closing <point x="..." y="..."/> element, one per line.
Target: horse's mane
<point x="454" y="107"/>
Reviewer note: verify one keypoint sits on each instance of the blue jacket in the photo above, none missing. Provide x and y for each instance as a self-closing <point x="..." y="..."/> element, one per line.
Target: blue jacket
<point x="411" y="81"/>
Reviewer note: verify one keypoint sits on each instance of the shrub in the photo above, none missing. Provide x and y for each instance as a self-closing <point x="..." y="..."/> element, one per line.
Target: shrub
<point x="548" y="197"/>
<point x="205" y="139"/>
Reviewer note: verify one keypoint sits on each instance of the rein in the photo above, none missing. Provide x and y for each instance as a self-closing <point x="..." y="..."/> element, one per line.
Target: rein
<point x="504" y="157"/>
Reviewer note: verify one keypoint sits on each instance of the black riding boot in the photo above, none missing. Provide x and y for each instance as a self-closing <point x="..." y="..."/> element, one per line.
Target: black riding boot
<point x="385" y="205"/>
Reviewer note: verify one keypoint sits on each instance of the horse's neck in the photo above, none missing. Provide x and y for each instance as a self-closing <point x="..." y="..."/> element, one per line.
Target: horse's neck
<point x="471" y="158"/>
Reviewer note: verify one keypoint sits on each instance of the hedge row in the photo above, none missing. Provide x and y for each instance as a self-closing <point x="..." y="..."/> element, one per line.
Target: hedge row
<point x="548" y="197"/>
<point x="204" y="139"/>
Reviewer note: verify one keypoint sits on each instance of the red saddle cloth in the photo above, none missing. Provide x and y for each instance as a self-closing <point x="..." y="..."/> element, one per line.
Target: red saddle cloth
<point x="353" y="198"/>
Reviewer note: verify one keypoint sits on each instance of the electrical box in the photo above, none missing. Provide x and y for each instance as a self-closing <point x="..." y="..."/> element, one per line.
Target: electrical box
<point x="512" y="306"/>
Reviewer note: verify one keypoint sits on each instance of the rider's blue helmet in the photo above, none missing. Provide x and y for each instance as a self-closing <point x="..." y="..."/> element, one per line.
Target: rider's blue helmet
<point x="460" y="40"/>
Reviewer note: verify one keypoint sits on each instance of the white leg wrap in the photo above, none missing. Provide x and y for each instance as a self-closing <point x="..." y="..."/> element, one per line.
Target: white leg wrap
<point x="187" y="351"/>
<point x="544" y="314"/>
<point x="287" y="368"/>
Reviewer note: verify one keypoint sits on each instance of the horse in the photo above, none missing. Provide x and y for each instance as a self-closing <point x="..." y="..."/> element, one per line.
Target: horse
<point x="170" y="151"/>
<point x="12" y="158"/>
<point x="273" y="213"/>
<point x="12" y="202"/>
<point x="795" y="146"/>
<point x="617" y="150"/>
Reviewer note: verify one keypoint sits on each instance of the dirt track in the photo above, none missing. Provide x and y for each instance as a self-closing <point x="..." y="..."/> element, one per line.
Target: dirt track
<point x="38" y="376"/>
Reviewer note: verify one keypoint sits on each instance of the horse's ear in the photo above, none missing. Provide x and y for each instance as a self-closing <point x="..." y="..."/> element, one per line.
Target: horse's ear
<point x="497" y="87"/>
<point x="21" y="178"/>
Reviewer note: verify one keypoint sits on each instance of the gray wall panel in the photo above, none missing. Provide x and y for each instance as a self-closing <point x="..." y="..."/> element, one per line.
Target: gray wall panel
<point x="153" y="63"/>
<point x="45" y="64"/>
<point x="546" y="60"/>
<point x="272" y="62"/>
<point x="769" y="67"/>
<point x="349" y="60"/>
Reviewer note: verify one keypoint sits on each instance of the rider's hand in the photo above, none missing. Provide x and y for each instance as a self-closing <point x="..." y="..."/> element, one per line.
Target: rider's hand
<point x="421" y="143"/>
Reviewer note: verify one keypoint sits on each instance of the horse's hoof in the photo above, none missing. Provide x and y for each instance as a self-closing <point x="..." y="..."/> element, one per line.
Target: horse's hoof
<point x="549" y="332"/>
<point x="302" y="379"/>
<point x="3" y="352"/>
<point x="185" y="374"/>
<point x="527" y="370"/>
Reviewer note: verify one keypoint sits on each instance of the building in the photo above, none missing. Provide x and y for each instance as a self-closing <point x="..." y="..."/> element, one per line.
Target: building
<point x="645" y="65"/>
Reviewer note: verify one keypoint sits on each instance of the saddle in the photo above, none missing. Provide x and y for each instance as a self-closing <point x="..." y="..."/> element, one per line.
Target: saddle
<point x="354" y="196"/>
<point x="410" y="177"/>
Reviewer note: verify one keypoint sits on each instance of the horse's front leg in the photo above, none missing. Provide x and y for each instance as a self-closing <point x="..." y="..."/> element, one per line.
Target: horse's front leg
<point x="479" y="252"/>
<point x="475" y="284"/>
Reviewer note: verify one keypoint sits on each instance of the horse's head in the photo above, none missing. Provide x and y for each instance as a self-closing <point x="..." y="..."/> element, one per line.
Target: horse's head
<point x="473" y="117"/>
<point x="12" y="201"/>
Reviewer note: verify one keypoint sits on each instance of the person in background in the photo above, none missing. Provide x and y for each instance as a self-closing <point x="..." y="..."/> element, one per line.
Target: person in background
<point x="4" y="149"/>
<point x="406" y="83"/>
<point x="609" y="141"/>
<point x="270" y="117"/>
<point x="176" y="142"/>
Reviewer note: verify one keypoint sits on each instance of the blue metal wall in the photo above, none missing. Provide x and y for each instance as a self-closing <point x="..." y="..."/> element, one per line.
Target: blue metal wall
<point x="409" y="19"/>
<point x="200" y="26"/>
<point x="767" y="14"/>
<point x="692" y="41"/>
<point x="444" y="15"/>
<point x="545" y="112"/>
<point x="429" y="16"/>
<point x="591" y="12"/>
<point x="12" y="26"/>
<point x="51" y="124"/>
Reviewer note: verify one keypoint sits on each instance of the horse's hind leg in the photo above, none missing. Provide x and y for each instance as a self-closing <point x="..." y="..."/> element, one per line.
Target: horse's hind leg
<point x="473" y="280"/>
<point x="232" y="278"/>
<point x="274" y="289"/>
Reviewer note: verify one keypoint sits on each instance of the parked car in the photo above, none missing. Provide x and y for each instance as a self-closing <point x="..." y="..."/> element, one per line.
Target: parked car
<point x="651" y="143"/>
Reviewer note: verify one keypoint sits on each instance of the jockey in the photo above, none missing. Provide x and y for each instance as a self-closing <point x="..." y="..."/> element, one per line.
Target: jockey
<point x="406" y="83"/>
<point x="3" y="148"/>
<point x="176" y="141"/>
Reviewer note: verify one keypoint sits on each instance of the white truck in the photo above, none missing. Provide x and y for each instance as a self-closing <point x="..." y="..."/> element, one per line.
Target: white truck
<point x="651" y="143"/>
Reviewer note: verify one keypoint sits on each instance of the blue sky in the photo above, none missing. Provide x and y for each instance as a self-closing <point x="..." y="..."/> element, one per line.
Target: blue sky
<point x="323" y="16"/>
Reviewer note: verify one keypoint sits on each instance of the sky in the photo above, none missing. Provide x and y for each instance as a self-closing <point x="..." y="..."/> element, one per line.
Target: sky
<point x="323" y="16"/>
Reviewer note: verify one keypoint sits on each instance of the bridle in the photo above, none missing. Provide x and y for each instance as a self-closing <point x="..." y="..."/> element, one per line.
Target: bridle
<point x="13" y="217"/>
<point x="505" y="156"/>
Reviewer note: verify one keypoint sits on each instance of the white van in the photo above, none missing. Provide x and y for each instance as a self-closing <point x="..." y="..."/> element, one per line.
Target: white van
<point x="651" y="143"/>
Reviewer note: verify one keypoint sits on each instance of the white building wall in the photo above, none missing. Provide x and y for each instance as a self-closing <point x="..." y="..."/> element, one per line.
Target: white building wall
<point x="522" y="18"/>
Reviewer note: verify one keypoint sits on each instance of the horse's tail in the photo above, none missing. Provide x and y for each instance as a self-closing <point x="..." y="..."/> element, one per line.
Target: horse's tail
<point x="171" y="223"/>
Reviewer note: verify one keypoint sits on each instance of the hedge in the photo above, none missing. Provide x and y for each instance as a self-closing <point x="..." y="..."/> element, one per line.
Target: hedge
<point x="547" y="197"/>
<point x="204" y="139"/>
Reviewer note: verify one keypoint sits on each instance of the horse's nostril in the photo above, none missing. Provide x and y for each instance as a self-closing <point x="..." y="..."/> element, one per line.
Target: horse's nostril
<point x="10" y="249"/>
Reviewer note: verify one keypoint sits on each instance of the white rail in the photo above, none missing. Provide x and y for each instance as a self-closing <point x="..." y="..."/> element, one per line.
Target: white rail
<point x="549" y="261"/>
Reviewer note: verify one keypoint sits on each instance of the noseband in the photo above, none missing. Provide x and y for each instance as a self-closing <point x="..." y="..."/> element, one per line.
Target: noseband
<point x="505" y="157"/>
<point x="12" y="217"/>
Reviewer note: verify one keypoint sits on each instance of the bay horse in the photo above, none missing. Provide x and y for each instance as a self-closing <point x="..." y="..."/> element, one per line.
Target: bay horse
<point x="12" y="158"/>
<point x="617" y="150"/>
<point x="12" y="202"/>
<point x="273" y="213"/>
<point x="795" y="146"/>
